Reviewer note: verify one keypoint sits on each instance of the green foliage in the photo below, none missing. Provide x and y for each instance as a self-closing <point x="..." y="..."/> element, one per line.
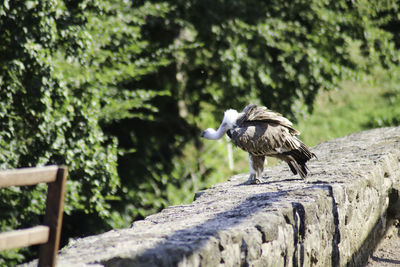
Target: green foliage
<point x="225" y="54"/>
<point x="42" y="120"/>
<point x="119" y="90"/>
<point x="370" y="103"/>
<point x="388" y="113"/>
<point x="272" y="52"/>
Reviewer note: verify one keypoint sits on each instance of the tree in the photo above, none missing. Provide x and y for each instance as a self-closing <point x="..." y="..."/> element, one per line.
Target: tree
<point x="118" y="90"/>
<point x="43" y="121"/>
<point x="65" y="66"/>
<point x="224" y="54"/>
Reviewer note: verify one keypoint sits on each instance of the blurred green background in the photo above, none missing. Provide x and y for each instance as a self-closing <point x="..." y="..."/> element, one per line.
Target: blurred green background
<point x="120" y="91"/>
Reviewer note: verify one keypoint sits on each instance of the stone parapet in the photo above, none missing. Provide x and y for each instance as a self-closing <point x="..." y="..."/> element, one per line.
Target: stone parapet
<point x="334" y="217"/>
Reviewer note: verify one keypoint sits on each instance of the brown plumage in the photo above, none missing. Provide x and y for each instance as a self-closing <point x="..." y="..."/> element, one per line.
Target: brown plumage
<point x="262" y="132"/>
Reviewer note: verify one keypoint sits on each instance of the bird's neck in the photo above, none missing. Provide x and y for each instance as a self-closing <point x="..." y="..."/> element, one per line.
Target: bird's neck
<point x="218" y="134"/>
<point x="230" y="117"/>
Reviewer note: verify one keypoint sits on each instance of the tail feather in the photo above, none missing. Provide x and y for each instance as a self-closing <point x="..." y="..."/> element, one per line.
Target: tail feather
<point x="297" y="158"/>
<point x="298" y="168"/>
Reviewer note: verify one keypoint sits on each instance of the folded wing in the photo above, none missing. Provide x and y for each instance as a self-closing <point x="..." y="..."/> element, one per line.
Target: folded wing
<point x="262" y="132"/>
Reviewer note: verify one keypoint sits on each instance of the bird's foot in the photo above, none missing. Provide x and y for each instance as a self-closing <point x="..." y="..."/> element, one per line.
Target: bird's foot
<point x="253" y="179"/>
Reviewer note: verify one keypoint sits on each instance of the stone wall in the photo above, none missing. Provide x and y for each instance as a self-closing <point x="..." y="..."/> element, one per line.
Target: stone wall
<point x="334" y="217"/>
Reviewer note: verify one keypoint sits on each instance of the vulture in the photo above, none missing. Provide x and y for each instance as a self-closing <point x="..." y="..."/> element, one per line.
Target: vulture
<point x="262" y="132"/>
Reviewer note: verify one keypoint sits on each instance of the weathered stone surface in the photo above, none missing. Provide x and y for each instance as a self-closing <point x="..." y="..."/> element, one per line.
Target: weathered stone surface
<point x="333" y="217"/>
<point x="387" y="254"/>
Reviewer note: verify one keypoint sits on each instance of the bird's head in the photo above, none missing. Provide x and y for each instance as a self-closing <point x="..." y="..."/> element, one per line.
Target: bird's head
<point x="208" y="133"/>
<point x="228" y="122"/>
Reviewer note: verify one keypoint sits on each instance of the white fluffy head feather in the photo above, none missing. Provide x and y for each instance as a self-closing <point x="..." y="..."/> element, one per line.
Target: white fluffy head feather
<point x="229" y="121"/>
<point x="230" y="117"/>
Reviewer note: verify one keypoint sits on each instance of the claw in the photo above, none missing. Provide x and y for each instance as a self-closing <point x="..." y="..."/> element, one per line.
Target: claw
<point x="253" y="179"/>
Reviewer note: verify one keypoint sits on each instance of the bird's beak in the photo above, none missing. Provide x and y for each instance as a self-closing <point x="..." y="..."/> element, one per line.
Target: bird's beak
<point x="202" y="134"/>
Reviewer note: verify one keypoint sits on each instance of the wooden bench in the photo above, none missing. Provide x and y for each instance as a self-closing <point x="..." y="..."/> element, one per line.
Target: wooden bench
<point x="48" y="234"/>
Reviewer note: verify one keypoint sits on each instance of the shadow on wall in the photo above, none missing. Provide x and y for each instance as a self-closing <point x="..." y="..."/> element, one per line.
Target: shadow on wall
<point x="184" y="243"/>
<point x="382" y="260"/>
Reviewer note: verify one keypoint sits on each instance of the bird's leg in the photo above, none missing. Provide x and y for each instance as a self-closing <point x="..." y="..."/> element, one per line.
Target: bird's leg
<point x="256" y="166"/>
<point x="253" y="175"/>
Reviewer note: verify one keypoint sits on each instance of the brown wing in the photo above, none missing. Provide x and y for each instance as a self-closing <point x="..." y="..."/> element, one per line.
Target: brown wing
<point x="262" y="138"/>
<point x="252" y="113"/>
<point x="268" y="139"/>
<point x="262" y="132"/>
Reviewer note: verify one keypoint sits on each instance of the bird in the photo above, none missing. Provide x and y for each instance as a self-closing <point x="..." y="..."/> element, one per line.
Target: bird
<point x="262" y="132"/>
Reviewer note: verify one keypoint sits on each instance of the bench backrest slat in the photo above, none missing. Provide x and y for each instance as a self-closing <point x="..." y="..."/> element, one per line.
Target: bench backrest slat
<point x="25" y="237"/>
<point x="48" y="235"/>
<point x="28" y="176"/>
